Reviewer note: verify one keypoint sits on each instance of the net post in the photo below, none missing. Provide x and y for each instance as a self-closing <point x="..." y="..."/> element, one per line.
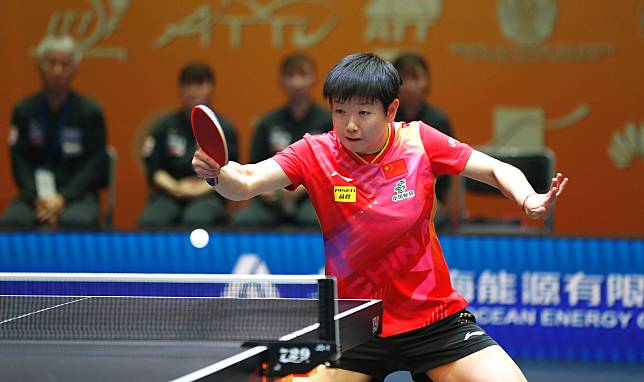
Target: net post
<point x="328" y="309"/>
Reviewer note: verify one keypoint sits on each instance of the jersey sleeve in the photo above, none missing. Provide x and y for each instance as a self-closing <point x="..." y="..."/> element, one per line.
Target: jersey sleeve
<point x="293" y="161"/>
<point x="446" y="154"/>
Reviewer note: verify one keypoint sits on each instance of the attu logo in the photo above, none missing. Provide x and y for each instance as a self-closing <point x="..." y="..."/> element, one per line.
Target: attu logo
<point x="401" y="193"/>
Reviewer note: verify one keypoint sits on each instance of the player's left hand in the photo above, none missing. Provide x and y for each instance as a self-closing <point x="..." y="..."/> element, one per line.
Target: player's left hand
<point x="536" y="205"/>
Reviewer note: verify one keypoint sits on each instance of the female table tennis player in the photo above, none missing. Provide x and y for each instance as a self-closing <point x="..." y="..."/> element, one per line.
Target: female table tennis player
<point x="371" y="182"/>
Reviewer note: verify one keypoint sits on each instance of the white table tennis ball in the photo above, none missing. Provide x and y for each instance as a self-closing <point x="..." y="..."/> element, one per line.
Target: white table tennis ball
<point x="199" y="238"/>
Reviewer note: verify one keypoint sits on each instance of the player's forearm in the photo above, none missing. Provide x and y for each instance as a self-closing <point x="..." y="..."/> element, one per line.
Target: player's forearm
<point x="505" y="177"/>
<point x="232" y="182"/>
<point x="512" y="183"/>
<point x="242" y="182"/>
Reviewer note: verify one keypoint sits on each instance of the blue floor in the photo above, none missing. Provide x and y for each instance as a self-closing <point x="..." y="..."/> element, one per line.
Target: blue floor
<point x="543" y="371"/>
<point x="546" y="371"/>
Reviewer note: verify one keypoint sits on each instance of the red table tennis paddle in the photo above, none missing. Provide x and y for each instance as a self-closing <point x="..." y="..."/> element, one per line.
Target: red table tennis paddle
<point x="209" y="135"/>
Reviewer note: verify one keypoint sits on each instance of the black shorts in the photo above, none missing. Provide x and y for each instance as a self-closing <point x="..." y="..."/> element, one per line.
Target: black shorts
<point x="419" y="350"/>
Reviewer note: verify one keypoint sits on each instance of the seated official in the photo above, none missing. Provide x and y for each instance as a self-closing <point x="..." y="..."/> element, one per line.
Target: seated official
<point x="58" y="147"/>
<point x="177" y="196"/>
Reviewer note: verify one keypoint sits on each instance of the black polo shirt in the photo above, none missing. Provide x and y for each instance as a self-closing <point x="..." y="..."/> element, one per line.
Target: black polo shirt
<point x="69" y="141"/>
<point x="278" y="129"/>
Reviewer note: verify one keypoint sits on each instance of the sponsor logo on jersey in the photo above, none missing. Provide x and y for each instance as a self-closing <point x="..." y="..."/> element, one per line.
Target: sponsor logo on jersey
<point x="344" y="194"/>
<point x="401" y="192"/>
<point x="335" y="173"/>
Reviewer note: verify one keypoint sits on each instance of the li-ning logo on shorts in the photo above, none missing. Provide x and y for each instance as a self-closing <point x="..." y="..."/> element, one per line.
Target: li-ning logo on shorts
<point x="470" y="334"/>
<point x="401" y="193"/>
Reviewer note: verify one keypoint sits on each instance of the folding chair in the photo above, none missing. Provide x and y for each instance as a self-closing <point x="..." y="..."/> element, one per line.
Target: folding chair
<point x="110" y="188"/>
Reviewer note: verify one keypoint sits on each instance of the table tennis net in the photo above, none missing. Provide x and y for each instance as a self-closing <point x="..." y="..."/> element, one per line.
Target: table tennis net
<point x="157" y="308"/>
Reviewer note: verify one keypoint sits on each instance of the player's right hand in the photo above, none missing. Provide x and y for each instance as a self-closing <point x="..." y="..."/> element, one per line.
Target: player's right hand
<point x="205" y="166"/>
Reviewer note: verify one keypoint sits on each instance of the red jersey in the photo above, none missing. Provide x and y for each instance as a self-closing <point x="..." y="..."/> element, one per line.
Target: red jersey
<point x="377" y="219"/>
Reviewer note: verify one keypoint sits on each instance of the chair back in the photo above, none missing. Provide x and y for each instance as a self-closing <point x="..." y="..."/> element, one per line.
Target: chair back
<point x="538" y="165"/>
<point x="108" y="210"/>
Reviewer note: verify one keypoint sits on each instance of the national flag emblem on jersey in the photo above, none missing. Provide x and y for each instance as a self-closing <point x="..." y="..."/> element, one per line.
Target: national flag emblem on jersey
<point x="395" y="168"/>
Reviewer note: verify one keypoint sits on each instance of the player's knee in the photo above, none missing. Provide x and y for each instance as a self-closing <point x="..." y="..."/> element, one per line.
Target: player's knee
<point x="491" y="364"/>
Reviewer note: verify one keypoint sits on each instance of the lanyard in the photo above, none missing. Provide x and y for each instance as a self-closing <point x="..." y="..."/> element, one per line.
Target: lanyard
<point x="53" y="139"/>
